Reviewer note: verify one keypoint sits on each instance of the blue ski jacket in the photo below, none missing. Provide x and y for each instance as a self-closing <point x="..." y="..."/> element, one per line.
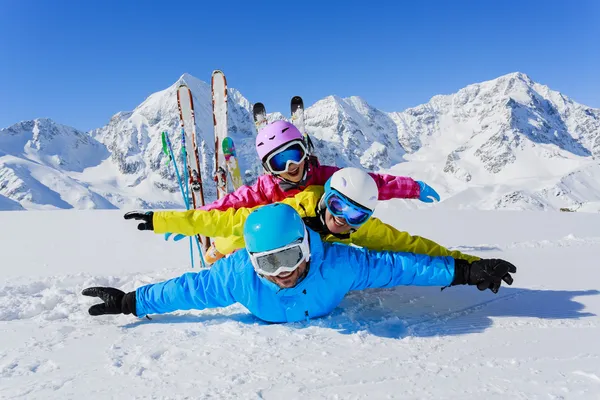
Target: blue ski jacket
<point x="334" y="270"/>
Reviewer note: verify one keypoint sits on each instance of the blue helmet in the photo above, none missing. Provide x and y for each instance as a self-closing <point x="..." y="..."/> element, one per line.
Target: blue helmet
<point x="272" y="227"/>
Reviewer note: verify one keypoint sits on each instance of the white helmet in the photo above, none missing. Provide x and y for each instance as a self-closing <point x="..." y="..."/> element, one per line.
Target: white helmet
<point x="355" y="184"/>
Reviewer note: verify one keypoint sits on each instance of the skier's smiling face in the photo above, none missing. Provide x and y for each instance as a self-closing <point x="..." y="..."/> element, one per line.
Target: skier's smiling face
<point x="288" y="279"/>
<point x="336" y="224"/>
<point x="294" y="172"/>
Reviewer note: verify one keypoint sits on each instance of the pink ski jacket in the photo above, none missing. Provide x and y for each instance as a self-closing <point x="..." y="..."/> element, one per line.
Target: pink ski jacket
<point x="270" y="189"/>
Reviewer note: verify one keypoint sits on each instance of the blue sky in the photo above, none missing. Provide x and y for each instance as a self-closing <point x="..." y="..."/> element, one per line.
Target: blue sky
<point x="80" y="62"/>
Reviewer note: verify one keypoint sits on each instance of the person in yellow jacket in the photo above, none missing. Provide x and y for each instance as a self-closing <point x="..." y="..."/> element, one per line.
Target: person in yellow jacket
<point x="340" y="212"/>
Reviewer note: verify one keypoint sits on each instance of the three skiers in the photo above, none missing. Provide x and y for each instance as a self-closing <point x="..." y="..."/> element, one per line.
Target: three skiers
<point x="287" y="268"/>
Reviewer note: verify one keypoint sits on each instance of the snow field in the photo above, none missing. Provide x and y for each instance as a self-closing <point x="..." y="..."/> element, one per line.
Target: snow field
<point x="536" y="339"/>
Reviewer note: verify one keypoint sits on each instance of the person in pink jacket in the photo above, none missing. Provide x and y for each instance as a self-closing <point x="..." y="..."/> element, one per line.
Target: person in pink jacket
<point x="291" y="168"/>
<point x="284" y="155"/>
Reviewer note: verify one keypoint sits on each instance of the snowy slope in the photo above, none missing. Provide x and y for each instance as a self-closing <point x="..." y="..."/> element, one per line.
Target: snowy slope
<point x="508" y="143"/>
<point x="536" y="339"/>
<point x="36" y="160"/>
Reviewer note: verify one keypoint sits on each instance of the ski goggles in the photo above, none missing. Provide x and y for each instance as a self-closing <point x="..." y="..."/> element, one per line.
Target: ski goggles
<point x="340" y="206"/>
<point x="291" y="153"/>
<point x="285" y="259"/>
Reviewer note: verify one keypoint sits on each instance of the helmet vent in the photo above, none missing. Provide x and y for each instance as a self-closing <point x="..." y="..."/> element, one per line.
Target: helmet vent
<point x="344" y="182"/>
<point x="285" y="129"/>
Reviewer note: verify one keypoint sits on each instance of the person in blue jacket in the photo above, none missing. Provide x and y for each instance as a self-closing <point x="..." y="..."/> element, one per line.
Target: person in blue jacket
<point x="287" y="273"/>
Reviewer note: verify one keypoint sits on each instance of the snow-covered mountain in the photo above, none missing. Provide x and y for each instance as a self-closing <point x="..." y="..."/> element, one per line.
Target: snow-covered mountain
<point x="36" y="159"/>
<point x="351" y="132"/>
<point x="134" y="138"/>
<point x="505" y="143"/>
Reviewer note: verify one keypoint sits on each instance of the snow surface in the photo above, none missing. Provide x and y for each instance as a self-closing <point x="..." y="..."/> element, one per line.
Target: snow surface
<point x="535" y="340"/>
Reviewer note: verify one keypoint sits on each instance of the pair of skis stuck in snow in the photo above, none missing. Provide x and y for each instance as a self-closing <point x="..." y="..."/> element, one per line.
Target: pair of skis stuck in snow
<point x="226" y="162"/>
<point x="297" y="107"/>
<point x="297" y="110"/>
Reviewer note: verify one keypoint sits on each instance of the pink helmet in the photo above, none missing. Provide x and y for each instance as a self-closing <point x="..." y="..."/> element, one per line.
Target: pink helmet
<point x="275" y="135"/>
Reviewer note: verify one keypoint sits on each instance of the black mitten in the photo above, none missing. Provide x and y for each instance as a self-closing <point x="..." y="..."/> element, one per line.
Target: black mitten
<point x="115" y="301"/>
<point x="145" y="216"/>
<point x="486" y="274"/>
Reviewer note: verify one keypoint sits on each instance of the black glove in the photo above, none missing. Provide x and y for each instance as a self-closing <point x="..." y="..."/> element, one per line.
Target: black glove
<point x="115" y="301"/>
<point x="146" y="216"/>
<point x="486" y="274"/>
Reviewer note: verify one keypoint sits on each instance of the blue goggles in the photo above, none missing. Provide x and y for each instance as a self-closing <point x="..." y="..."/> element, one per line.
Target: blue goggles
<point x="340" y="206"/>
<point x="280" y="161"/>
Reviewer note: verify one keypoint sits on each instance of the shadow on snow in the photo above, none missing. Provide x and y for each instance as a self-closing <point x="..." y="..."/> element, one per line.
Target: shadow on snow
<point x="419" y="311"/>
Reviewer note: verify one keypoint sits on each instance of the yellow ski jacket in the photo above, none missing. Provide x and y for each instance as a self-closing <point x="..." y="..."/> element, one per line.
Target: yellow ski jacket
<point x="227" y="228"/>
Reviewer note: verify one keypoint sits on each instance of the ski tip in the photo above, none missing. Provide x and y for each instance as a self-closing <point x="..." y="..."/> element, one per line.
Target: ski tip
<point x="217" y="75"/>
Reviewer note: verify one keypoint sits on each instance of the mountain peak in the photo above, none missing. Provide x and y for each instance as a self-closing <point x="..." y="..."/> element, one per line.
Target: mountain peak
<point x="189" y="80"/>
<point x="517" y="75"/>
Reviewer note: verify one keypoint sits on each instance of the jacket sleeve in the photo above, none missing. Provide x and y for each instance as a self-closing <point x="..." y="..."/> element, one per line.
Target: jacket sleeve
<point x="376" y="235"/>
<point x="396" y="187"/>
<point x="229" y="244"/>
<point x="382" y="269"/>
<point x="205" y="289"/>
<point x="199" y="222"/>
<point x="390" y="186"/>
<point x="246" y="196"/>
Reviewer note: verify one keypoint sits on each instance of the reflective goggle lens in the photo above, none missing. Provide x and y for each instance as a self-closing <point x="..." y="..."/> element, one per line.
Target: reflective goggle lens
<point x="285" y="260"/>
<point x="279" y="161"/>
<point x="342" y="208"/>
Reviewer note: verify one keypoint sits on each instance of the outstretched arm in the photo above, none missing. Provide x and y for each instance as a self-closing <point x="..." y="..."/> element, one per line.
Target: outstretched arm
<point x="380" y="269"/>
<point x="390" y="186"/>
<point x="373" y="269"/>
<point x="377" y="235"/>
<point x="206" y="289"/>
<point x="214" y="223"/>
<point x="396" y="187"/>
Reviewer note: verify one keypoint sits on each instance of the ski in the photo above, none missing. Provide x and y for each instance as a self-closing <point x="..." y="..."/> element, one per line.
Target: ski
<point x="297" y="110"/>
<point x="260" y="116"/>
<point x="187" y="118"/>
<point x="231" y="161"/>
<point x="185" y="103"/>
<point x="219" y="103"/>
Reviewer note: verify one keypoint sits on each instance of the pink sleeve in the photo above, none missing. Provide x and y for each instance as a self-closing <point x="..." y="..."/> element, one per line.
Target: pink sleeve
<point x="396" y="187"/>
<point x="246" y="196"/>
